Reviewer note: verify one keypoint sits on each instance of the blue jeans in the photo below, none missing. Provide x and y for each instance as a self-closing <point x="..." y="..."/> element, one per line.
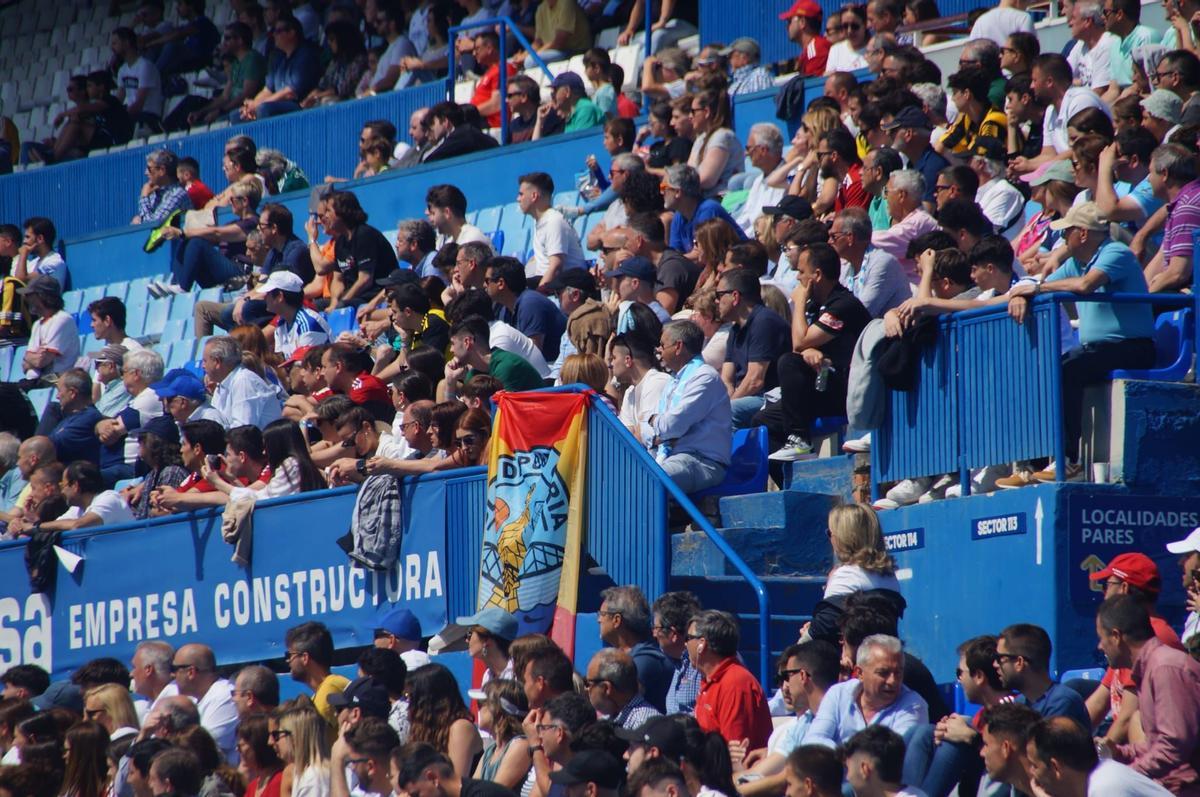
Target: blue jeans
<point x="548" y="57"/>
<point x="693" y="473"/>
<point x="936" y="768"/>
<point x="744" y="410"/>
<point x="197" y="261"/>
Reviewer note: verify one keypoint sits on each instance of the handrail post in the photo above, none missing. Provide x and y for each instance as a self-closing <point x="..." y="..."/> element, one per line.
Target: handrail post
<point x="1056" y="404"/>
<point x="647" y="51"/>
<point x="503" y="82"/>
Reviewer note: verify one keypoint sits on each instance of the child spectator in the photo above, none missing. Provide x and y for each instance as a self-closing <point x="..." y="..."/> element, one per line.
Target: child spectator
<point x="188" y="174"/>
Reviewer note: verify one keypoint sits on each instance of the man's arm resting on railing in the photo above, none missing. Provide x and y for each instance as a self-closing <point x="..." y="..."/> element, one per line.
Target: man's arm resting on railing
<point x="1175" y="276"/>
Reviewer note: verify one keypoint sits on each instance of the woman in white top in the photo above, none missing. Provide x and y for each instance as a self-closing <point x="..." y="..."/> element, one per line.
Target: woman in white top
<point x="863" y="562"/>
<point x="292" y="469"/>
<point x="717" y="154"/>
<point x="299" y="736"/>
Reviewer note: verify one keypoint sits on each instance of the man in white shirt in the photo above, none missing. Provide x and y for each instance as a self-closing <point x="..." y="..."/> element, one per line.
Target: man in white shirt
<point x="764" y="146"/>
<point x="240" y="395"/>
<point x="297" y="326"/>
<point x="399" y="630"/>
<point x="556" y="245"/>
<point x="195" y="670"/>
<point x="1052" y="81"/>
<point x="54" y="340"/>
<point x="1003" y="21"/>
<point x="999" y="199"/>
<point x="91" y="504"/>
<point x="1093" y="45"/>
<point x="150" y="673"/>
<point x="446" y="210"/>
<point x="1189" y="550"/>
<point x="1063" y="763"/>
<point x="139" y="84"/>
<point x="632" y="364"/>
<point x="36" y="256"/>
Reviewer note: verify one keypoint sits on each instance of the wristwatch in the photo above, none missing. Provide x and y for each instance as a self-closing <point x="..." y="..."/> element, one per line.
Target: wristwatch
<point x="360" y="465"/>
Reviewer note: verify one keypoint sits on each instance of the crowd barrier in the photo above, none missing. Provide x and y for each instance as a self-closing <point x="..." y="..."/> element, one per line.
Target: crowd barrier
<point x="988" y="392"/>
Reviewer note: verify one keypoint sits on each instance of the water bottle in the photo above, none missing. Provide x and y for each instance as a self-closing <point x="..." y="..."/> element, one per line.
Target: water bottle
<point x="823" y="377"/>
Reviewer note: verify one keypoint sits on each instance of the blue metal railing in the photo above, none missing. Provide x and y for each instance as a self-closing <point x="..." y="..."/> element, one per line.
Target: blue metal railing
<point x="983" y="372"/>
<point x="616" y="486"/>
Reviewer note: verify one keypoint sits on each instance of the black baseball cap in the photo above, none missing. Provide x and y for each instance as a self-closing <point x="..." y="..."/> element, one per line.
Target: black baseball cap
<point x="795" y="206"/>
<point x="662" y="732"/>
<point x="590" y="766"/>
<point x="364" y="693"/>
<point x="578" y="278"/>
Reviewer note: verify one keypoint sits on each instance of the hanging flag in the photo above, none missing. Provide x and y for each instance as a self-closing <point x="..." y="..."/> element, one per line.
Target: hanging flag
<point x="534" y="528"/>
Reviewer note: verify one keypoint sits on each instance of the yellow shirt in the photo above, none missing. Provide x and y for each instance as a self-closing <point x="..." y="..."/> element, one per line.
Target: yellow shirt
<point x="961" y="136"/>
<point x="332" y="683"/>
<point x="564" y="15"/>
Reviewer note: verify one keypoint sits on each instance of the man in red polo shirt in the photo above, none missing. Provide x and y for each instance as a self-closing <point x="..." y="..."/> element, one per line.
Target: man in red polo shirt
<point x="1127" y="574"/>
<point x="804" y="30"/>
<point x="731" y="701"/>
<point x="487" y="91"/>
<point x="345" y="370"/>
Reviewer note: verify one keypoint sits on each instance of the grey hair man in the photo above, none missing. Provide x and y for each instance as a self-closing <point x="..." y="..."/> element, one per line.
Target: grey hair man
<point x="150" y="671"/>
<point x="999" y="199"/>
<point x="239" y="394"/>
<point x="612" y="686"/>
<point x="625" y="620"/>
<point x="764" y="147"/>
<point x="161" y="194"/>
<point x="1089" y="58"/>
<point x="617" y="213"/>
<point x="905" y="192"/>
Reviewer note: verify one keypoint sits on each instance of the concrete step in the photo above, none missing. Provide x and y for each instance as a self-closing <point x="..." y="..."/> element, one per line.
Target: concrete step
<point x="829" y="475"/>
<point x="792" y="509"/>
<point x="769" y="551"/>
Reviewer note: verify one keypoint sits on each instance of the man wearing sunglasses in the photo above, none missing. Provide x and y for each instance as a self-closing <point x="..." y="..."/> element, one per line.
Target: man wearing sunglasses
<point x="1023" y="662"/>
<point x="195" y="670"/>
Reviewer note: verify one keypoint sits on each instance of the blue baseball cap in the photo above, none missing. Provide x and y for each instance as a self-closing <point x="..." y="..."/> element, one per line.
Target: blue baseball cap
<point x="638" y="267"/>
<point x="60" y="694"/>
<point x="400" y="623"/>
<point x="180" y="382"/>
<point x="494" y="620"/>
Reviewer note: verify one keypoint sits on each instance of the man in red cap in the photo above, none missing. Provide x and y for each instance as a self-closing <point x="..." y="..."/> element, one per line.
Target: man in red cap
<point x="804" y="29"/>
<point x="1127" y="574"/>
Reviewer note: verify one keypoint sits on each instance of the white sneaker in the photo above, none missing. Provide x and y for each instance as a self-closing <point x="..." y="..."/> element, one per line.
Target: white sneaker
<point x="938" y="490"/>
<point x="170" y="288"/>
<point x="885" y="503"/>
<point x="908" y="491"/>
<point x="984" y="480"/>
<point x="156" y="289"/>
<point x="861" y="445"/>
<point x="796" y="448"/>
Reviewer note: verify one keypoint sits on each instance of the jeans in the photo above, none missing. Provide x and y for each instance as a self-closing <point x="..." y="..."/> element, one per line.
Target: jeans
<point x="937" y="768"/>
<point x="744" y="410"/>
<point x="548" y="57"/>
<point x="1088" y="365"/>
<point x="197" y="261"/>
<point x="693" y="473"/>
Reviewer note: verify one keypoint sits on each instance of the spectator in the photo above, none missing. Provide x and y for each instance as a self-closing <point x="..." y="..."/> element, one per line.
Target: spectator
<point x="875" y="278"/>
<point x="347" y="63"/>
<point x="1017" y="54"/>
<point x="878" y="164"/>
<point x="957" y="182"/>
<point x="188" y="172"/>
<point x="118" y="457"/>
<point x="291" y="76"/>
<point x="612" y="686"/>
<point x="570" y="103"/>
<point x="909" y="220"/>
<point x="1023" y="661"/>
<point x="440" y="718"/>
<point x="1000" y="201"/>
<point x="162" y="196"/>
<point x="24" y="682"/>
<point x="1063" y="760"/>
<point x="556" y="727"/>
<point x="633" y="284"/>
<point x="300" y="737"/>
<point x="473" y="355"/>
<point x="524" y="99"/>
<point x="1003" y="729"/>
<point x="309" y="658"/>
<point x="150" y="670"/>
<point x="977" y="117"/>
<point x="1089" y="56"/>
<point x="1161" y="112"/>
<point x="490" y="631"/>
<point x="345" y="370"/>
<point x="876" y="690"/>
<point x="527" y="310"/>
<point x="634" y="370"/>
<point x="1173" y="178"/>
<point x="1128" y="160"/>
<point x="259" y="761"/>
<point x="730" y="702"/>
<point x="1179" y="72"/>
<point x="92" y="505"/>
<point x="625" y="625"/>
<point x="874" y="763"/>
<point x="158" y="450"/>
<point x="676" y="276"/>
<point x="1002" y="21"/>
<point x="1122" y="19"/>
<point x="804" y="30"/>
<point x="248" y="71"/>
<point x="195" y="669"/>
<point x="73" y="437"/>
<point x="363" y="750"/>
<point x="175" y="771"/>
<point x="361" y="253"/>
<point x="815" y="769"/>
<point x="54" y="341"/>
<point x="837" y="155"/>
<point x="239" y="394"/>
<point x="185" y="398"/>
<point x="423" y="771"/>
<point x="716" y="153"/>
<point x="748" y="76"/>
<point x="1052" y="78"/>
<point x="1166" y="681"/>
<point x="400" y="632"/>
<point x="690" y="437"/>
<point x="683" y="194"/>
<point x="758" y="338"/>
<point x="560" y="30"/>
<point x="487" y="63"/>
<point x="764" y="146"/>
<point x="451" y="135"/>
<point x="292" y="469"/>
<point x="389" y="72"/>
<point x="806" y="671"/>
<point x="32" y="453"/>
<point x="849" y="54"/>
<point x="199" y="439"/>
<point x="446" y="211"/>
<point x="140" y="85"/>
<point x="296" y="325"/>
<point x="36" y="255"/>
<point x="556" y="245"/>
<point x="205" y="255"/>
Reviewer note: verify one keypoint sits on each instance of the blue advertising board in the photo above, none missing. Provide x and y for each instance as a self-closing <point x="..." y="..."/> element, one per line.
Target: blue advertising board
<point x="1102" y="526"/>
<point x="173" y="579"/>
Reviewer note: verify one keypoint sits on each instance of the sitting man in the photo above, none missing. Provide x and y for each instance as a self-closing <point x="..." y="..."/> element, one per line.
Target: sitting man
<point x="54" y="341"/>
<point x="184" y="398"/>
<point x="473" y="354"/>
<point x="1064" y="761"/>
<point x="91" y="504"/>
<point x="161" y="195"/>
<point x="904" y="193"/>
<point x="74" y="437"/>
<point x="207" y="439"/>
<point x="1110" y="335"/>
<point x="875" y="763"/>
<point x="240" y="395"/>
<point x="119" y="452"/>
<point x="294" y="71"/>
<point x="689" y="432"/>
<point x="347" y="372"/>
<point x="36" y="255"/>
<point x="296" y="325"/>
<point x="876" y="694"/>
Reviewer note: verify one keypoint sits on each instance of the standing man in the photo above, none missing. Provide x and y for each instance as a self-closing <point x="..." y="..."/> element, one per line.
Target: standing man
<point x="758" y="338"/>
<point x="309" y="657"/>
<point x="195" y="670"/>
<point x="625" y="621"/>
<point x="804" y="30"/>
<point x="556" y="245"/>
<point x="731" y="702"/>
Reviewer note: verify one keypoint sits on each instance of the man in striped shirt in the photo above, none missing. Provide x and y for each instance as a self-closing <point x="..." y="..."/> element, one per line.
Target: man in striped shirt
<point x="295" y="324"/>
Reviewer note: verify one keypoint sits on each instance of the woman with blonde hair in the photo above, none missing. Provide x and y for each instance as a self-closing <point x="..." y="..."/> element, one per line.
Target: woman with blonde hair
<point x="708" y="318"/>
<point x="711" y="240"/>
<point x="862" y="564"/>
<point x="300" y="738"/>
<point x="111" y="706"/>
<point x="506" y="758"/>
<point x="805" y="170"/>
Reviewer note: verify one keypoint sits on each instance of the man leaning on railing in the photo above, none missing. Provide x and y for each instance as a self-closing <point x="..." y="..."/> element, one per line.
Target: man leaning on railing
<point x="1110" y="335"/>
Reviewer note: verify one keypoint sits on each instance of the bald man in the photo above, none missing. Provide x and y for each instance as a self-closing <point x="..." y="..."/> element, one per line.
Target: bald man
<point x="195" y="669"/>
<point x="33" y="453"/>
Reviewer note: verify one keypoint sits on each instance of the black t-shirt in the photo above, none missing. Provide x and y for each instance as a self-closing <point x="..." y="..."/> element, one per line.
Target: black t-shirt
<point x="843" y="316"/>
<point x="669" y="153"/>
<point x="367" y="249"/>
<point x="484" y="788"/>
<point x="678" y="273"/>
<point x="918" y="678"/>
<point x="435" y="335"/>
<point x="762" y="338"/>
<point x="113" y="124"/>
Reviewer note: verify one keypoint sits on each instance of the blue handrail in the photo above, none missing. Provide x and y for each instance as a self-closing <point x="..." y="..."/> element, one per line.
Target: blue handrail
<point x="639" y="452"/>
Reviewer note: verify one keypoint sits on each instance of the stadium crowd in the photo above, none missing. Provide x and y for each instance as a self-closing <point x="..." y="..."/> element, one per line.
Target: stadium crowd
<point x="737" y="284"/>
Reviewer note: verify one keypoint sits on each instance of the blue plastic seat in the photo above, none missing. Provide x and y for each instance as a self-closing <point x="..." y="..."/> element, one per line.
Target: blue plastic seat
<point x="747" y="471"/>
<point x="117" y="290"/>
<point x="829" y="425"/>
<point x="40" y="399"/>
<point x="72" y="301"/>
<point x="497" y="237"/>
<point x="157" y="313"/>
<point x="90" y="343"/>
<point x="182" y="305"/>
<point x="92" y="294"/>
<point x="566" y="198"/>
<point x="135" y="319"/>
<point x="172" y="331"/>
<point x="163" y="350"/>
<point x="15" y="370"/>
<point x="209" y="295"/>
<point x="83" y="322"/>
<point x="1174" y="345"/>
<point x="517" y="244"/>
<point x="139" y="291"/>
<point x="340" y="320"/>
<point x="180" y="354"/>
<point x="6" y="358"/>
<point x="1085" y="674"/>
<point x="189" y="330"/>
<point x="488" y="219"/>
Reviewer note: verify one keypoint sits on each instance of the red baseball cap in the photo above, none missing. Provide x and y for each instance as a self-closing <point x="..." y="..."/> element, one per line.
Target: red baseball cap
<point x="1135" y="569"/>
<point x="802" y="8"/>
<point x="298" y="354"/>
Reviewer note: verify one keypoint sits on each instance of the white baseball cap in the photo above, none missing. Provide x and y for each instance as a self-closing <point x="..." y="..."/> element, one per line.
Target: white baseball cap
<point x="1189" y="544"/>
<point x="284" y="281"/>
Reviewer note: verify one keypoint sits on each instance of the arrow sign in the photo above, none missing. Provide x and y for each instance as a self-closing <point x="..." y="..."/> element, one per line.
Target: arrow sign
<point x="1093" y="564"/>
<point x="1038" y="514"/>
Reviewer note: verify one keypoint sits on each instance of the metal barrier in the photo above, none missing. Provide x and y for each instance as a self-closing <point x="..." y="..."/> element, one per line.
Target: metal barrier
<point x="989" y="391"/>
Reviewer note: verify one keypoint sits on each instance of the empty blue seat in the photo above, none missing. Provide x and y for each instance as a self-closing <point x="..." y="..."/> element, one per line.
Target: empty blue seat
<point x="162" y="349"/>
<point x="209" y="295"/>
<point x="83" y="322"/>
<point x="189" y="329"/>
<point x="340" y="320"/>
<point x="91" y="343"/>
<point x="139" y="291"/>
<point x="747" y="471"/>
<point x="92" y="294"/>
<point x="517" y="244"/>
<point x="497" y="237"/>
<point x="6" y="358"/>
<point x="172" y="331"/>
<point x="72" y="301"/>
<point x="135" y="319"/>
<point x="566" y="198"/>
<point x="1174" y="345"/>
<point x="157" y="313"/>
<point x="180" y="354"/>
<point x="488" y="219"/>
<point x="15" y="371"/>
<point x="40" y="398"/>
<point x="182" y="305"/>
<point x="1085" y="674"/>
<point x="117" y="290"/>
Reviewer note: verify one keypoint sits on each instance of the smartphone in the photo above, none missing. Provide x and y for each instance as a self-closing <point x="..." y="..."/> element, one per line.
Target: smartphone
<point x="216" y="461"/>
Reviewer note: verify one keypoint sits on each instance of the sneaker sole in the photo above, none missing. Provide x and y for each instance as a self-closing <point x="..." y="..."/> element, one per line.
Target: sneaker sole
<point x="790" y="457"/>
